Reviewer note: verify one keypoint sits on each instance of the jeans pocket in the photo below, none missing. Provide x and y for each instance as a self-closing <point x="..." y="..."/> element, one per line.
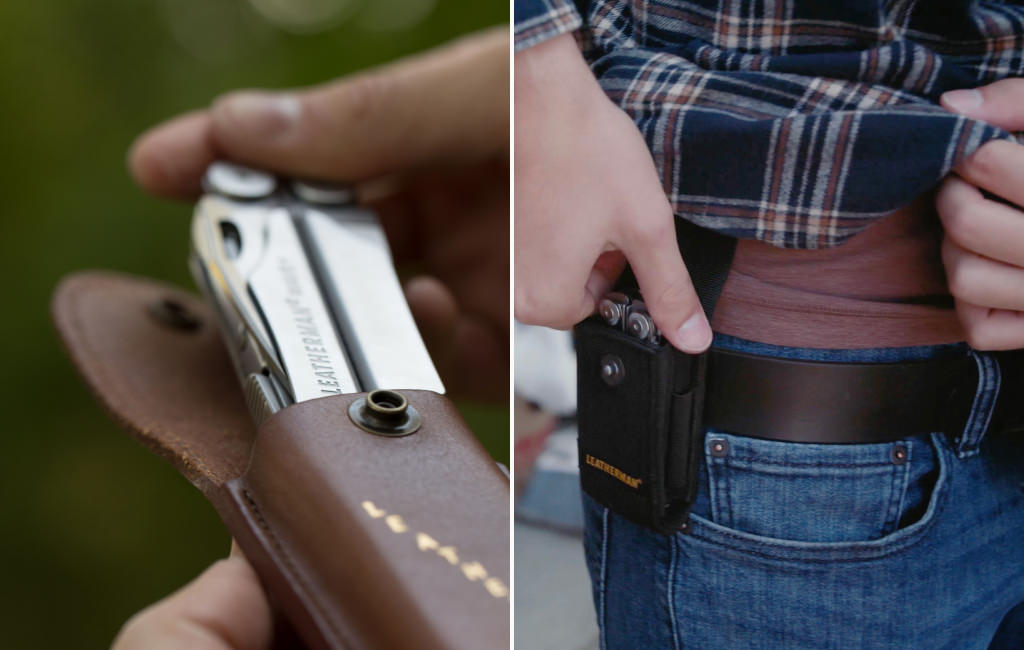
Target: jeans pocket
<point x="816" y="493"/>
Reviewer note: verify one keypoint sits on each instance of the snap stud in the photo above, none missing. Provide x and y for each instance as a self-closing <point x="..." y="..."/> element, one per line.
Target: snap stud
<point x="172" y="314"/>
<point x="385" y="413"/>
<point x="612" y="370"/>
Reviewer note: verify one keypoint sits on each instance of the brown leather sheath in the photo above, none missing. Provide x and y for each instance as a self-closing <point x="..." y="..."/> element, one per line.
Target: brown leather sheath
<point x="362" y="541"/>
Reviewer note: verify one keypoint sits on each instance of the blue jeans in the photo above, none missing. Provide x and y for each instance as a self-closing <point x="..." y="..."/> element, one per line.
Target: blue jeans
<point x="911" y="544"/>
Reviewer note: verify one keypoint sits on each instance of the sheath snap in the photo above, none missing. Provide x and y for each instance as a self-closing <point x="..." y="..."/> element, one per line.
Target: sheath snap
<point x="385" y="413"/>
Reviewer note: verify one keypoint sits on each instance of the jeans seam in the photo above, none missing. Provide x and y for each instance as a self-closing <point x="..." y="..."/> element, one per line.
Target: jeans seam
<point x="714" y="498"/>
<point x="727" y="540"/>
<point x="969" y="442"/>
<point x="725" y="494"/>
<point x="720" y="496"/>
<point x="900" y="484"/>
<point x="604" y="578"/>
<point x="741" y="463"/>
<point x="670" y="591"/>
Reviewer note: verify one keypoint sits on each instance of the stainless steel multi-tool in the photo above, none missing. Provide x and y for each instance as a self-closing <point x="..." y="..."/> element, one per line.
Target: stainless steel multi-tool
<point x="629" y="315"/>
<point x="305" y="288"/>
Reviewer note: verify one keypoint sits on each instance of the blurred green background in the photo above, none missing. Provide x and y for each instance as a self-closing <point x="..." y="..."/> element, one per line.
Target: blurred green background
<point x="93" y="526"/>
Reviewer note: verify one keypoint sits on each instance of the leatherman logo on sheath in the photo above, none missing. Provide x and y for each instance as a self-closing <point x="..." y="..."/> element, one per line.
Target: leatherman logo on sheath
<point x="613" y="471"/>
<point x="472" y="571"/>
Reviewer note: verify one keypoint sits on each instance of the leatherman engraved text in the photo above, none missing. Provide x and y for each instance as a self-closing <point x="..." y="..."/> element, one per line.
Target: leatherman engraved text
<point x="303" y="282"/>
<point x="312" y="341"/>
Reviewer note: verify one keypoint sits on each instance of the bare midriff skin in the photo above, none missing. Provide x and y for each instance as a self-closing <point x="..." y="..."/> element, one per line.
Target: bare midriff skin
<point x="885" y="287"/>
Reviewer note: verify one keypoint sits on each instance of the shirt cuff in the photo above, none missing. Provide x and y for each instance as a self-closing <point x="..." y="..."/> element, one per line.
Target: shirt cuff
<point x="539" y="20"/>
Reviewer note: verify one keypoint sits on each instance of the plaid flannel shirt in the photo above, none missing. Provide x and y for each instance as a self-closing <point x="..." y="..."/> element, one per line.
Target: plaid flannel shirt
<point x="796" y="122"/>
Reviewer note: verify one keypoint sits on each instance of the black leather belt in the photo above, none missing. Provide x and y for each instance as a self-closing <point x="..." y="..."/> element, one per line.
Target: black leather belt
<point x="807" y="401"/>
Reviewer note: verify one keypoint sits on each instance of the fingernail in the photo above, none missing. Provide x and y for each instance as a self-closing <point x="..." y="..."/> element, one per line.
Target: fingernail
<point x="263" y="114"/>
<point x="962" y="101"/>
<point x="695" y="334"/>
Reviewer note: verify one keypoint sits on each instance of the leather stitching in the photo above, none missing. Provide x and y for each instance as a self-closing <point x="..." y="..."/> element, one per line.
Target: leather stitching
<point x="297" y="576"/>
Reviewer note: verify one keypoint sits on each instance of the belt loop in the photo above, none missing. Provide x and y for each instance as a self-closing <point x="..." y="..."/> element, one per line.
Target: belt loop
<point x="989" y="380"/>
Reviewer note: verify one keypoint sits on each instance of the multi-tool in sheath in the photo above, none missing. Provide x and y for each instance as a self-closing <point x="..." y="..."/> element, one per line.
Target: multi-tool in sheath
<point x="305" y="288"/>
<point x="640" y="410"/>
<point x="350" y="508"/>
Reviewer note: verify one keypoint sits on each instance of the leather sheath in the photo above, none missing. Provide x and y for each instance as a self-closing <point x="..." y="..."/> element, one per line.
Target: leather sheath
<point x="361" y="541"/>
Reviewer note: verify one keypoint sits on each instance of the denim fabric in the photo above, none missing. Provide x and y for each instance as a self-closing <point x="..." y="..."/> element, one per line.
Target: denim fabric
<point x="909" y="544"/>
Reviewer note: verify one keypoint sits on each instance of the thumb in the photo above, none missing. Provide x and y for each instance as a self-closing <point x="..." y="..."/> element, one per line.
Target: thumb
<point x="222" y="609"/>
<point x="444" y="106"/>
<point x="1000" y="103"/>
<point x="667" y="289"/>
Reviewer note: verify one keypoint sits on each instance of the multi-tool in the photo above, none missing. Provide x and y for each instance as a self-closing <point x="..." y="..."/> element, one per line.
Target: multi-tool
<point x="640" y="413"/>
<point x="343" y="518"/>
<point x="305" y="288"/>
<point x="629" y="315"/>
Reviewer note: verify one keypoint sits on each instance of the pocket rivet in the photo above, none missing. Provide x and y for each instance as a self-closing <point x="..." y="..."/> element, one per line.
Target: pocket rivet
<point x="719" y="448"/>
<point x="899" y="454"/>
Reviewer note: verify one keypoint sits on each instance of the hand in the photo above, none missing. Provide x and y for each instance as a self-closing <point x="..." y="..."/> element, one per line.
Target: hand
<point x="426" y="139"/>
<point x="222" y="609"/>
<point x="983" y="245"/>
<point x="588" y="200"/>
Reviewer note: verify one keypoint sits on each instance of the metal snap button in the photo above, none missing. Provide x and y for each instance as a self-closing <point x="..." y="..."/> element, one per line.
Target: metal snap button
<point x="174" y="315"/>
<point x="612" y="370"/>
<point x="385" y="413"/>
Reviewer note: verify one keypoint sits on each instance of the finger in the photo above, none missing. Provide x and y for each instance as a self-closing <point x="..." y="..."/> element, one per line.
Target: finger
<point x="436" y="313"/>
<point x="551" y="275"/>
<point x="480" y="367"/>
<point x="467" y="353"/>
<point x="980" y="280"/>
<point x="448" y="105"/>
<point x="400" y="216"/>
<point x="606" y="271"/>
<point x="998" y="167"/>
<point x="991" y="329"/>
<point x="986" y="227"/>
<point x="545" y="298"/>
<point x="998" y="103"/>
<point x="169" y="160"/>
<point x="665" y="284"/>
<point x="222" y="609"/>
